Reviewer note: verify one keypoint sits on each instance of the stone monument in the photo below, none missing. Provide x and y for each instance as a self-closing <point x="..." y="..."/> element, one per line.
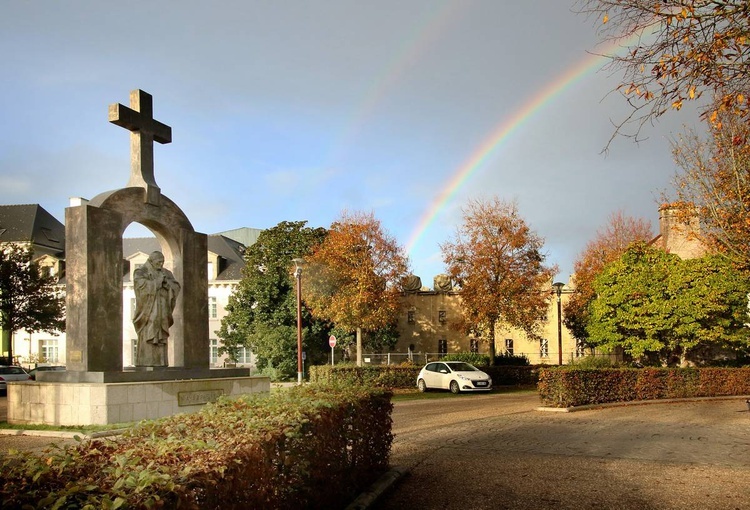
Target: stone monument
<point x="173" y="377"/>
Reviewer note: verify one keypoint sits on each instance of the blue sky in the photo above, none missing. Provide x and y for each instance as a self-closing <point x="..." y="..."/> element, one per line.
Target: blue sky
<point x="297" y="110"/>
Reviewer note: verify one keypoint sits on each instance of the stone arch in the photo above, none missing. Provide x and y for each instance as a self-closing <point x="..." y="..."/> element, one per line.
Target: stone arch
<point x="94" y="279"/>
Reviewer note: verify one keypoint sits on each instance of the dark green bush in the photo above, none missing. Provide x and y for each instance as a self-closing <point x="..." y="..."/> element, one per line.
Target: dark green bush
<point x="572" y="386"/>
<point x="476" y="359"/>
<point x="286" y="450"/>
<point x="515" y="360"/>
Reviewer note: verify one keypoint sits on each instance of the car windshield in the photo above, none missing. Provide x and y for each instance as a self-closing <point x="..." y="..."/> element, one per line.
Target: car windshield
<point x="11" y="370"/>
<point x="462" y="367"/>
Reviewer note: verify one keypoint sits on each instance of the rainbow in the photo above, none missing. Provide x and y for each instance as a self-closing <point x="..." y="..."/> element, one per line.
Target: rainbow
<point x="409" y="53"/>
<point x="501" y="133"/>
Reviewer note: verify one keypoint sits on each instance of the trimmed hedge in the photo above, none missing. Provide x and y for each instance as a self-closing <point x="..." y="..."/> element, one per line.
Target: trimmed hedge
<point x="566" y="387"/>
<point x="286" y="450"/>
<point x="405" y="376"/>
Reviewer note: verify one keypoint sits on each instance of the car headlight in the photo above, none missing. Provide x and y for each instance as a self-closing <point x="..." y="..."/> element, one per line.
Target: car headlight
<point x="461" y="376"/>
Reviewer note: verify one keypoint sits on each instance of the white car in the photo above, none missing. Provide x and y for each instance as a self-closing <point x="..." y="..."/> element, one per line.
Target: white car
<point x="456" y="376"/>
<point x="11" y="373"/>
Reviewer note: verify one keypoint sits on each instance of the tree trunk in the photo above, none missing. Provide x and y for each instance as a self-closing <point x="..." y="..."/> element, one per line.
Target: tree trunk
<point x="491" y="350"/>
<point x="359" y="347"/>
<point x="7" y="345"/>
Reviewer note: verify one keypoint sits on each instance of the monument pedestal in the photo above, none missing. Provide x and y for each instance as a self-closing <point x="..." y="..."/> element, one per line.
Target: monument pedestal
<point x="106" y="403"/>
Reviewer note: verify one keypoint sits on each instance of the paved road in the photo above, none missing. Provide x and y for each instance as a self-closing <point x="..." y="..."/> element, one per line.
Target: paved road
<point x="496" y="451"/>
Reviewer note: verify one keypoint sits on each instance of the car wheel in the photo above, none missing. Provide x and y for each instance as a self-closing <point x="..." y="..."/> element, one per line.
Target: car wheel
<point x="455" y="388"/>
<point x="421" y="385"/>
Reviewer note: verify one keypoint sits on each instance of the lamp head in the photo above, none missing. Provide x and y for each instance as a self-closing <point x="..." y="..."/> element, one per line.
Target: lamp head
<point x="558" y="288"/>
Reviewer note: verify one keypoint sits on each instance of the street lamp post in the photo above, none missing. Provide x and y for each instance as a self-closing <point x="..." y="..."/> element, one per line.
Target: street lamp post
<point x="298" y="275"/>
<point x="558" y="290"/>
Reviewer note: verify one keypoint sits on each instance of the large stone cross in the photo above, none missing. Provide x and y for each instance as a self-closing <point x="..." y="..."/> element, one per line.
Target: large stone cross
<point x="144" y="130"/>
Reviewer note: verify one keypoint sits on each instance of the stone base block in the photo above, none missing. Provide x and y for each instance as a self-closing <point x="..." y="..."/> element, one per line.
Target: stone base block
<point x="64" y="403"/>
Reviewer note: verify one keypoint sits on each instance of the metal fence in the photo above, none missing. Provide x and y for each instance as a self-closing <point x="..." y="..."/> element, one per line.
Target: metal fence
<point x="422" y="358"/>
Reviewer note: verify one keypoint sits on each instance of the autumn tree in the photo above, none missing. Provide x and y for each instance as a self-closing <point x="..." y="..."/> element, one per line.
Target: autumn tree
<point x="658" y="307"/>
<point x="713" y="186"/>
<point x="353" y="278"/>
<point x="496" y="260"/>
<point x="674" y="51"/>
<point x="608" y="245"/>
<point x="262" y="311"/>
<point x="29" y="298"/>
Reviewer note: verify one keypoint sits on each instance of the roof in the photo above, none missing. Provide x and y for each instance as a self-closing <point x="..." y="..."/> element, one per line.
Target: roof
<point x="230" y="253"/>
<point x="32" y="223"/>
<point x="244" y="235"/>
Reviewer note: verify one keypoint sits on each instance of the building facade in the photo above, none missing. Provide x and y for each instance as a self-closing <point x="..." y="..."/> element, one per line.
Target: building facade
<point x="428" y="330"/>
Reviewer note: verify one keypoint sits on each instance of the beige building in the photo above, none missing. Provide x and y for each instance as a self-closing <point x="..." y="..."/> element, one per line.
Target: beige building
<point x="427" y="328"/>
<point x="426" y="322"/>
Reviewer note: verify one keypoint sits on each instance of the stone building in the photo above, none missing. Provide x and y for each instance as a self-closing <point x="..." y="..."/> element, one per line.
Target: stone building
<point x="428" y="314"/>
<point x="428" y="329"/>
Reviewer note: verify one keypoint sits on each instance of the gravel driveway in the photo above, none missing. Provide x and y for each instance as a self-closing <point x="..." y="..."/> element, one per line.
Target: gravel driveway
<point x="496" y="451"/>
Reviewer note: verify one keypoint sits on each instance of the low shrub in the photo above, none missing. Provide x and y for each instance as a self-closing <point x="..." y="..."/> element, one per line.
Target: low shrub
<point x="376" y="376"/>
<point x="573" y="386"/>
<point x="474" y="358"/>
<point x="513" y="375"/>
<point x="405" y="376"/>
<point x="515" y="360"/>
<point x="285" y="450"/>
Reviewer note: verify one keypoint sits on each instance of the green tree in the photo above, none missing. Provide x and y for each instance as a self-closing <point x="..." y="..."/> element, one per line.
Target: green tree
<point x="496" y="260"/>
<point x="658" y="307"/>
<point x="355" y="277"/>
<point x="29" y="298"/>
<point x="262" y="312"/>
<point x="608" y="245"/>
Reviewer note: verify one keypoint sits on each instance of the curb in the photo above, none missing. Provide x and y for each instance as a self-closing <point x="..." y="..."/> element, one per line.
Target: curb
<point x="382" y="484"/>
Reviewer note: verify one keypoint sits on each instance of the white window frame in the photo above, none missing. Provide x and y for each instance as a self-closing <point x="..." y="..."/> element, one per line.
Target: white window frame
<point x="213" y="308"/>
<point x="214" y="352"/>
<point x="49" y="350"/>
<point x="544" y="348"/>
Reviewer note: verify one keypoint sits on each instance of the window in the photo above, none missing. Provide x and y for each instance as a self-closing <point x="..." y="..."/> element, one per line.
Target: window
<point x="509" y="346"/>
<point x="49" y="351"/>
<point x="212" y="308"/>
<point x="244" y="355"/>
<point x="214" y="351"/>
<point x="544" y="348"/>
<point x="441" y="316"/>
<point x="410" y="316"/>
<point x="474" y="345"/>
<point x="442" y="347"/>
